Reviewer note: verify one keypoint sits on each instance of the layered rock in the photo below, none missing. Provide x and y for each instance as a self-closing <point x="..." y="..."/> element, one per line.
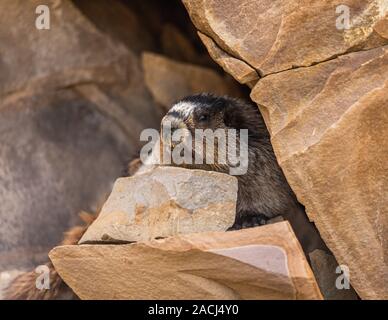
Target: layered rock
<point x="272" y="36"/>
<point x="324" y="107"/>
<point x="164" y="202"/>
<point x="329" y="132"/>
<point x="73" y="102"/>
<point x="242" y="72"/>
<point x="259" y="263"/>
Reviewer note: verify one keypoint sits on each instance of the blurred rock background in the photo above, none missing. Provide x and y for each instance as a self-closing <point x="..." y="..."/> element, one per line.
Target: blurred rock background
<point x="73" y="101"/>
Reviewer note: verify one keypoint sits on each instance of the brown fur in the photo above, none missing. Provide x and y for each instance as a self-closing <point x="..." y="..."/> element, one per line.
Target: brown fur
<point x="134" y="166"/>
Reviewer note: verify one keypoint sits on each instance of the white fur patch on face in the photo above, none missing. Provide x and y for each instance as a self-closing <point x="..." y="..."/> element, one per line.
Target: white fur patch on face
<point x="183" y="108"/>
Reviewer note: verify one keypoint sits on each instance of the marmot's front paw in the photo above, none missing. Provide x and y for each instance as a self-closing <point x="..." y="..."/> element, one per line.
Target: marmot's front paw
<point x="249" y="220"/>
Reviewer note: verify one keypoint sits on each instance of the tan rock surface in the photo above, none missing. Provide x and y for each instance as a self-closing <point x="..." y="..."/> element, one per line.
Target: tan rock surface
<point x="260" y="263"/>
<point x="328" y="121"/>
<point x="71" y="51"/>
<point x="66" y="94"/>
<point x="169" y="81"/>
<point x="241" y="71"/>
<point x="273" y="36"/>
<point x="329" y="131"/>
<point x="163" y="202"/>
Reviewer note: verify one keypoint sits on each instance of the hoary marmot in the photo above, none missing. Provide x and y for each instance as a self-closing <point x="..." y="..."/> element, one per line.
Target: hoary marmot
<point x="263" y="191"/>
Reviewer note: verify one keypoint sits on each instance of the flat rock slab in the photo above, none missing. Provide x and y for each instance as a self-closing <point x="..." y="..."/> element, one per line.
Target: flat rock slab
<point x="260" y="263"/>
<point x="163" y="202"/>
<point x="328" y="125"/>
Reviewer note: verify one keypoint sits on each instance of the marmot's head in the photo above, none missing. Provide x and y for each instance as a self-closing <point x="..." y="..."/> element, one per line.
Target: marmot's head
<point x="207" y="111"/>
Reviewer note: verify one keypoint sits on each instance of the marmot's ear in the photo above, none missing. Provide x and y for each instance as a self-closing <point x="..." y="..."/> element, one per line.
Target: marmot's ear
<point x="220" y="103"/>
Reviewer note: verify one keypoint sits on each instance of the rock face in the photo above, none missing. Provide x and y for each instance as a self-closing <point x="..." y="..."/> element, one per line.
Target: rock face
<point x="324" y="105"/>
<point x="241" y="71"/>
<point x="330" y="139"/>
<point x="259" y="32"/>
<point x="72" y="105"/>
<point x="163" y="202"/>
<point x="259" y="263"/>
<point x="73" y="102"/>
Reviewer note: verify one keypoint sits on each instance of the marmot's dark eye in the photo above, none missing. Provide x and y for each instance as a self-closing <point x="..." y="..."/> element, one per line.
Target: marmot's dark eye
<point x="203" y="118"/>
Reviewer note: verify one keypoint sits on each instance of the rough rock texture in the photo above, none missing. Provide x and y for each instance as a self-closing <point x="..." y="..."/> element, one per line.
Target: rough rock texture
<point x="329" y="131"/>
<point x="72" y="105"/>
<point x="170" y="81"/>
<point x="163" y="202"/>
<point x="272" y="36"/>
<point x="323" y="94"/>
<point x="259" y="263"/>
<point x="240" y="70"/>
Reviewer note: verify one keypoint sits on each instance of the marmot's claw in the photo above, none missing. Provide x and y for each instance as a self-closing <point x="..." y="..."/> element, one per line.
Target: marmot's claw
<point x="249" y="220"/>
<point x="235" y="226"/>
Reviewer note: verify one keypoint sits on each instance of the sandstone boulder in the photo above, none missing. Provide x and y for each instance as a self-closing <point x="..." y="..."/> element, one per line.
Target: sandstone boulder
<point x="324" y="105"/>
<point x="329" y="129"/>
<point x="272" y="36"/>
<point x="240" y="70"/>
<point x="259" y="263"/>
<point x="163" y="202"/>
